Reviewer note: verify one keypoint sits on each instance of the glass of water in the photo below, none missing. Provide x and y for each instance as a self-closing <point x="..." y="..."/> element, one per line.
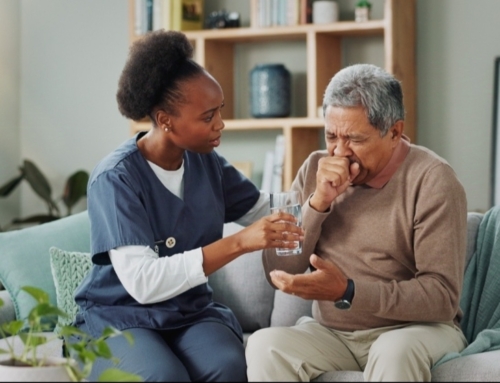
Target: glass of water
<point x="288" y="202"/>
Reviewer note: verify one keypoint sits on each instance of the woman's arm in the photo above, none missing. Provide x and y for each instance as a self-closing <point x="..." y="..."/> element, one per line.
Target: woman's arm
<point x="150" y="279"/>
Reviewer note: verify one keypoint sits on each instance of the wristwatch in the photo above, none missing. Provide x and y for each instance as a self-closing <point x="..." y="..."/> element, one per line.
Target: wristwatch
<point x="344" y="303"/>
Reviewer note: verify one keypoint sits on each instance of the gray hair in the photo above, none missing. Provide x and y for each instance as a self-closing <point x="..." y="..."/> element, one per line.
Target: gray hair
<point x="371" y="87"/>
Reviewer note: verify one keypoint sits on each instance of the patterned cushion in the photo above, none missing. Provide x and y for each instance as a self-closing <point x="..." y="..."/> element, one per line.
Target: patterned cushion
<point x="68" y="270"/>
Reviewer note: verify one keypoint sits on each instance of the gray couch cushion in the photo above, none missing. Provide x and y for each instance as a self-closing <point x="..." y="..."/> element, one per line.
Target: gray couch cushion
<point x="482" y="367"/>
<point x="340" y="376"/>
<point x="288" y="309"/>
<point x="242" y="286"/>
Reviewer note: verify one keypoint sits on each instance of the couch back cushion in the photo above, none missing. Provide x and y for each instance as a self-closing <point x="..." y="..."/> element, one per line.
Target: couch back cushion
<point x="242" y="286"/>
<point x="25" y="257"/>
<point x="473" y="221"/>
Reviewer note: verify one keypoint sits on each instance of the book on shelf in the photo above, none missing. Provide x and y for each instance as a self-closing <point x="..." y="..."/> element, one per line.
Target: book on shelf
<point x="272" y="176"/>
<point x="306" y="11"/>
<point x="269" y="13"/>
<point x="140" y="14"/>
<point x="187" y="15"/>
<point x="279" y="159"/>
<point x="151" y="15"/>
<point x="267" y="174"/>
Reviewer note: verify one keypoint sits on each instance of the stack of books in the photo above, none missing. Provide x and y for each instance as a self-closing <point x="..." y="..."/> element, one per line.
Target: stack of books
<point x="177" y="15"/>
<point x="270" y="13"/>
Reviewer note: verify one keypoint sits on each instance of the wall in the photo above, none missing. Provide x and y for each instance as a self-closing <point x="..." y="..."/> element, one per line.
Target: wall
<point x="456" y="46"/>
<point x="9" y="104"/>
<point x="72" y="54"/>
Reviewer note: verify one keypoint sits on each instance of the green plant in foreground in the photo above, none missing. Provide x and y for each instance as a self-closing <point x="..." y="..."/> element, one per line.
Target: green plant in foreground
<point x="74" y="189"/>
<point x="35" y="331"/>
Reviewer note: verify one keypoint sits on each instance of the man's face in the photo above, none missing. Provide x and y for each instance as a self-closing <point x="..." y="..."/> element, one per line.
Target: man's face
<point x="349" y="134"/>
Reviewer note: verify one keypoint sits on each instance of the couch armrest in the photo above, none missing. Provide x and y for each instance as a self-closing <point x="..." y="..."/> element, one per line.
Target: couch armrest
<point x="7" y="312"/>
<point x="482" y="367"/>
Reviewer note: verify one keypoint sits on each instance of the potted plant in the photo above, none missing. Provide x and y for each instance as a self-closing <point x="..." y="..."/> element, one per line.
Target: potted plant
<point x="362" y="10"/>
<point x="75" y="188"/>
<point x="28" y="365"/>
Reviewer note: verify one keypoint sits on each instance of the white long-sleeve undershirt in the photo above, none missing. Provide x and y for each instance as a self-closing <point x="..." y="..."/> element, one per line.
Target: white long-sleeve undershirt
<point x="149" y="278"/>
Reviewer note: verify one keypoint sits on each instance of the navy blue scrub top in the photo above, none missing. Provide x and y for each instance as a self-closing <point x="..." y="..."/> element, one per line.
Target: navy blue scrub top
<point x="128" y="205"/>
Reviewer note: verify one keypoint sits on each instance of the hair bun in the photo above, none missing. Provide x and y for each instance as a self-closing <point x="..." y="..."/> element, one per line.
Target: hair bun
<point x="151" y="64"/>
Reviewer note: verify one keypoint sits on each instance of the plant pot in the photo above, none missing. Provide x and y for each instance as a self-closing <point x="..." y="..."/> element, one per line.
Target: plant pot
<point x="53" y="371"/>
<point x="361" y="14"/>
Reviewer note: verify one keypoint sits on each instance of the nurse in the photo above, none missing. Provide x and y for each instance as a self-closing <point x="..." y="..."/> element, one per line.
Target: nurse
<point x="157" y="205"/>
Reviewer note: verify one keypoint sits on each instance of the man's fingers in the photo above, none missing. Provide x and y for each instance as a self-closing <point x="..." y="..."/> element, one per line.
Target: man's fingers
<point x="317" y="262"/>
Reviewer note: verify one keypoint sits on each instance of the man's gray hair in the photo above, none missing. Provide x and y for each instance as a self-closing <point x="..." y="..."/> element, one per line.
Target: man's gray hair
<point x="371" y="87"/>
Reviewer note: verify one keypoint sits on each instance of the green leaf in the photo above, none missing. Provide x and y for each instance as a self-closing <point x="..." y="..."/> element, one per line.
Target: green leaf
<point x="2" y="351"/>
<point x="116" y="375"/>
<point x="37" y="181"/>
<point x="103" y="350"/>
<point x="39" y="295"/>
<point x="110" y="332"/>
<point x="46" y="310"/>
<point x="129" y="337"/>
<point x="87" y="356"/>
<point x="1" y="302"/>
<point x="75" y="188"/>
<point x="13" y="327"/>
<point x="32" y="340"/>
<point x="6" y="189"/>
<point x="70" y="330"/>
<point x="363" y="3"/>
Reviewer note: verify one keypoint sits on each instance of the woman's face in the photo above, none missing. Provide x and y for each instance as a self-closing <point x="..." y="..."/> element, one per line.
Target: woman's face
<point x="198" y="124"/>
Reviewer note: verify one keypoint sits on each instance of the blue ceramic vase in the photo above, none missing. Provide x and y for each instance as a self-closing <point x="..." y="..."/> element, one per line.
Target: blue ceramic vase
<point x="270" y="91"/>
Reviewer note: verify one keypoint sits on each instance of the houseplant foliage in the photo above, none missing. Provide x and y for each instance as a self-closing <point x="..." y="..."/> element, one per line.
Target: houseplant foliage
<point x="36" y="331"/>
<point x="75" y="188"/>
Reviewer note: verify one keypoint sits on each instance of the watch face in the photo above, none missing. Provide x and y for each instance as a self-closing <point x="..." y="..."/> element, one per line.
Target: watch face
<point x="343" y="305"/>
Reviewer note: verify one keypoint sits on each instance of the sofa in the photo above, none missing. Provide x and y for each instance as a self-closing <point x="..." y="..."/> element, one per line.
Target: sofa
<point x="241" y="285"/>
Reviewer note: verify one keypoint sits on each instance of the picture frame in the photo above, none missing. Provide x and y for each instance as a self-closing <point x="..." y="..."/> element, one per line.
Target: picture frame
<point x="495" y="168"/>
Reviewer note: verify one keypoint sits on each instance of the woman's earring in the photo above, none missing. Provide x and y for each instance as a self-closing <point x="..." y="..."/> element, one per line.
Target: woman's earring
<point x="167" y="126"/>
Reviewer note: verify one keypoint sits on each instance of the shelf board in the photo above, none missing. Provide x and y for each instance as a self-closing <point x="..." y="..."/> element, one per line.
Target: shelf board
<point x="273" y="123"/>
<point x="296" y="32"/>
<point x="254" y="124"/>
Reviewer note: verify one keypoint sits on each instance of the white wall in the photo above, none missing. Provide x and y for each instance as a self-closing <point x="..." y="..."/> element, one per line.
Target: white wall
<point x="456" y="46"/>
<point x="72" y="54"/>
<point x="9" y="104"/>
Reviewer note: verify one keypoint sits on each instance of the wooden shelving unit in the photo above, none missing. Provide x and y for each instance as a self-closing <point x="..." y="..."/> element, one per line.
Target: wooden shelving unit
<point x="215" y="50"/>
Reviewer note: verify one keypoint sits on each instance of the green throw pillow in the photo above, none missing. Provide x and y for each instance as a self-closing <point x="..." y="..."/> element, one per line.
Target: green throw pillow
<point x="25" y="258"/>
<point x="68" y="270"/>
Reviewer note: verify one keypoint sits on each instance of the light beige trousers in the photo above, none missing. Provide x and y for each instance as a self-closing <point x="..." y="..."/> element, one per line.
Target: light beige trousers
<point x="308" y="349"/>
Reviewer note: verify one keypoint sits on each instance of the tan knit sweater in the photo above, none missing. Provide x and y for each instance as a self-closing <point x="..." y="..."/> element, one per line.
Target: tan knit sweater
<point x="403" y="245"/>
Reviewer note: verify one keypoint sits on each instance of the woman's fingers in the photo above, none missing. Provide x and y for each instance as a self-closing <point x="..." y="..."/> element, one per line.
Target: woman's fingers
<point x="282" y="216"/>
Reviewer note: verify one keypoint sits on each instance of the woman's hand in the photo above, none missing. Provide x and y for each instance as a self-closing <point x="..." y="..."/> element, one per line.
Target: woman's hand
<point x="275" y="230"/>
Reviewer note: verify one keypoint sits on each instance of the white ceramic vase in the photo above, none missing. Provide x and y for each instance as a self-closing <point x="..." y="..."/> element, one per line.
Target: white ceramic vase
<point x="53" y="371"/>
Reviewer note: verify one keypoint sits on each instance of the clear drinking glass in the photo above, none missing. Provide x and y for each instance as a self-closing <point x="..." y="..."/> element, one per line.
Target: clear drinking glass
<point x="288" y="202"/>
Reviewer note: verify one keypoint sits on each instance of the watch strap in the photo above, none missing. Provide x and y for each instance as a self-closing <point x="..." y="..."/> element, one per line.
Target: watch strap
<point x="345" y="302"/>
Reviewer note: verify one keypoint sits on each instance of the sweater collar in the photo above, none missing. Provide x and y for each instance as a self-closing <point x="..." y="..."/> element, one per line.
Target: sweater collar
<point x="397" y="159"/>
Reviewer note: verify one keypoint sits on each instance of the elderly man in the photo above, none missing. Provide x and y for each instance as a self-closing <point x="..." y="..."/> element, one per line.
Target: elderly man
<point x="385" y="224"/>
